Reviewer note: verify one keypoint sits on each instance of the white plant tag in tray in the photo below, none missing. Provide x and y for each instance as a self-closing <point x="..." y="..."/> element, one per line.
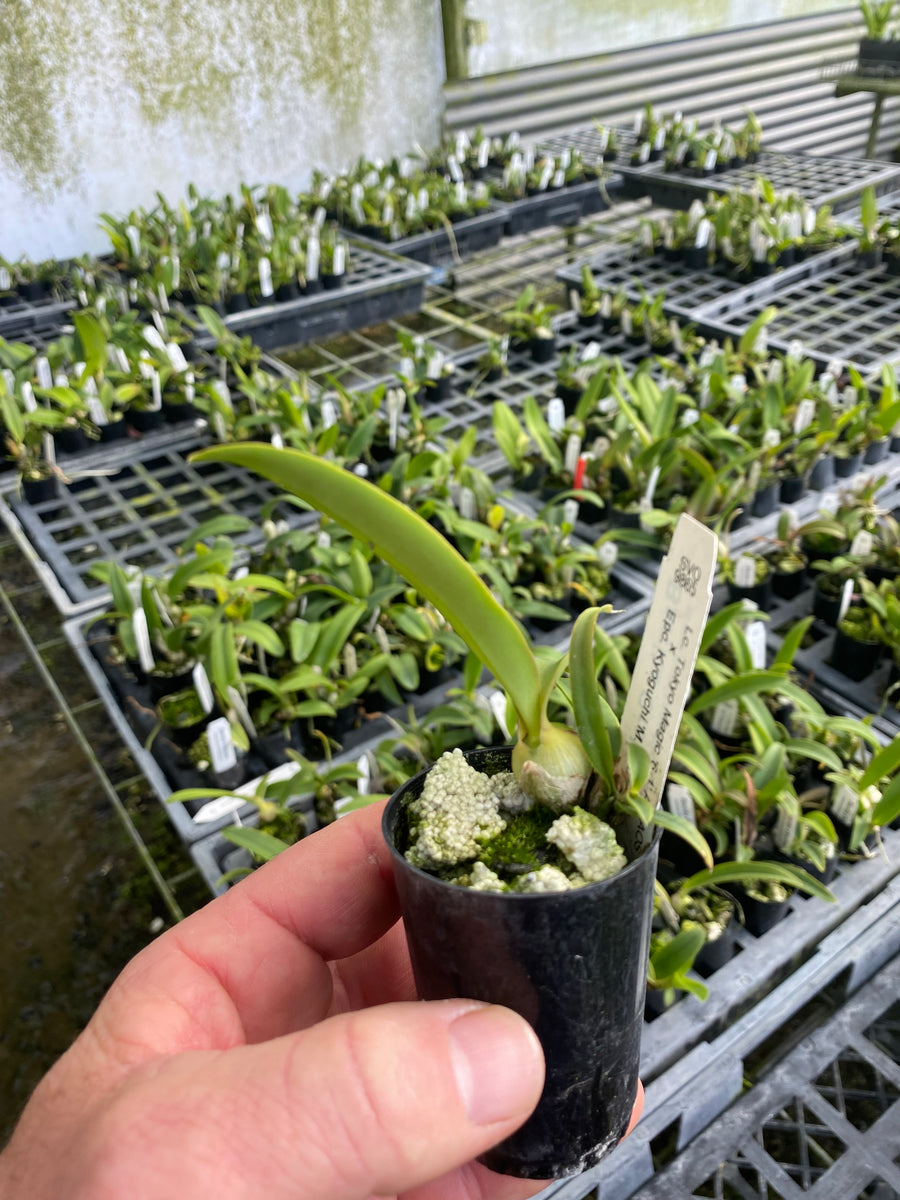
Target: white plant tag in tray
<point x="142" y="638"/>
<point x="662" y="674"/>
<point x="312" y="257"/>
<point x="202" y="687"/>
<point x="28" y="397"/>
<point x="328" y="412"/>
<point x="573" y="450"/>
<point x="339" y="258"/>
<point x="49" y="449"/>
<point x="570" y="512"/>
<point x="785" y="829"/>
<point x="803" y="417"/>
<point x="176" y="357"/>
<point x="861" y="546"/>
<point x="844" y="803"/>
<point x="724" y="719"/>
<point x="97" y="412"/>
<point x="846" y="597"/>
<point x="236" y="700"/>
<point x="755" y="633"/>
<point x="745" y="572"/>
<point x="222" y="755"/>
<point x="43" y="372"/>
<point x="556" y="414"/>
<point x="680" y="802"/>
<point x="608" y="555"/>
<point x="265" y="278"/>
<point x="591" y="350"/>
<point x="215" y="810"/>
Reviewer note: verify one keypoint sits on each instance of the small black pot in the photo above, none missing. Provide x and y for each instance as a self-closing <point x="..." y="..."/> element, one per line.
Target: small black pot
<point x="876" y="452"/>
<point x="34" y="291"/>
<point x="854" y="658"/>
<point x="714" y="955"/>
<point x="287" y="291"/>
<point x="272" y="747"/>
<point x="588" y="320"/>
<point x="36" y="491"/>
<point x="115" y="431"/>
<point x="573" y="964"/>
<point x="331" y="282"/>
<point x="825" y="607"/>
<point x="145" y="420"/>
<point x="893" y="263"/>
<point x="760" y="593"/>
<point x="239" y="302"/>
<point x="759" y="915"/>
<point x="312" y="287"/>
<point x="821" y="477"/>
<point x="895" y="445"/>
<point x="868" y="260"/>
<point x="164" y="684"/>
<point x="696" y="258"/>
<point x="793" y="488"/>
<point x="766" y="499"/>
<point x="788" y="584"/>
<point x="71" y="440"/>
<point x="542" y="348"/>
<point x="844" y="467"/>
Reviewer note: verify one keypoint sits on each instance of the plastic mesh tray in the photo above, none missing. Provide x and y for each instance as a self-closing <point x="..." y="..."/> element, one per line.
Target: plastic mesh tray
<point x="818" y="180"/>
<point x="836" y="310"/>
<point x="565" y="206"/>
<point x="19" y="318"/>
<point x="138" y="508"/>
<point x="380" y="285"/>
<point x="586" y="140"/>
<point x="436" y="245"/>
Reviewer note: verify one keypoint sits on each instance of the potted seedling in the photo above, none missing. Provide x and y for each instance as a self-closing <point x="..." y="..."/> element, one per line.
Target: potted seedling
<point x="470" y="922"/>
<point x="869" y="242"/>
<point x="879" y="52"/>
<point x="586" y="301"/>
<point x="530" y="322"/>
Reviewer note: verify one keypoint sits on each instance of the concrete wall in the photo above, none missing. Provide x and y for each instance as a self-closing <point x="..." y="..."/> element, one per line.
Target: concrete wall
<point x="103" y="102"/>
<point x="522" y="33"/>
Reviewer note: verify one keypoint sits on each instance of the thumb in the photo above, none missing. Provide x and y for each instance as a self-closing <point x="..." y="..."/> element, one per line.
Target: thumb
<point x="377" y="1101"/>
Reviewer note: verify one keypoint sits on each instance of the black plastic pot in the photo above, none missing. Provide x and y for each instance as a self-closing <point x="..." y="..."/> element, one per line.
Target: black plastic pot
<point x="868" y="260"/>
<point x="895" y="441"/>
<point x="330" y="282"/>
<point x="36" y="491"/>
<point x="714" y="955"/>
<point x="876" y="452"/>
<point x="793" y="488"/>
<point x="788" y="584"/>
<point x="572" y="963"/>
<point x="145" y="420"/>
<point x="759" y="915"/>
<point x="849" y="465"/>
<point x="766" y="499"/>
<point x="825" y="607"/>
<point x="854" y="658"/>
<point x="821" y="477"/>
<point x="71" y="440"/>
<point x="287" y="291"/>
<point x="696" y="258"/>
<point x="542" y="348"/>
<point x="115" y="431"/>
<point x="34" y="291"/>
<point x="760" y="593"/>
<point x="239" y="302"/>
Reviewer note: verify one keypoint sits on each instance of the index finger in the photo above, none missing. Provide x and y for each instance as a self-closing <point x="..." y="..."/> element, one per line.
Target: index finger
<point x="252" y="964"/>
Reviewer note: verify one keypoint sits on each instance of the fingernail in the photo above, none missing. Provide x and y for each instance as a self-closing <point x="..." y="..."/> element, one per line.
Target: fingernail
<point x="498" y="1063"/>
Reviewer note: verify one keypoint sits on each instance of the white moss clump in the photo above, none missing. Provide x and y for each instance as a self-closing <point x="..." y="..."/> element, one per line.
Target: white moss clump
<point x="456" y="808"/>
<point x="589" y="844"/>
<point x="547" y="879"/>
<point x="510" y="797"/>
<point x="483" y="879"/>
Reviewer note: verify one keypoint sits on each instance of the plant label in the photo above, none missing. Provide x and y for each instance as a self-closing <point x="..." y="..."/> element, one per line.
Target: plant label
<point x="755" y="633"/>
<point x="795" y="349"/>
<point x="691" y="417"/>
<point x="265" y="278"/>
<point x="176" y="357"/>
<point x="861" y="546"/>
<point x="591" y="350"/>
<point x="608" y="555"/>
<point x="680" y="803"/>
<point x="5" y="280"/>
<point x="659" y="140"/>
<point x="570" y="512"/>
<point x="236" y="700"/>
<point x="846" y="597"/>
<point x="625" y="322"/>
<point x="223" y="392"/>
<point x="575" y="301"/>
<point x="498" y="706"/>
<point x="545" y="177"/>
<point x="665" y="663"/>
<point x="651" y="487"/>
<point x="323" y="539"/>
<point x="49" y="449"/>
<point x="9" y="382"/>
<point x="785" y="829"/>
<point x="142" y="638"/>
<point x="559" y="178"/>
<point x="565" y="159"/>
<point x="215" y="810"/>
<point x="745" y="572"/>
<point x="603" y="139"/>
<point x="830" y="503"/>
<point x="709" y="162"/>
<point x="202" y="687"/>
<point x="456" y="174"/>
<point x="835" y="368"/>
<point x="844" y="804"/>
<point x="97" y="412"/>
<point x="556" y="415"/>
<point x="724" y="718"/>
<point x="363" y="775"/>
<point x="573" y="450"/>
<point x="643" y="153"/>
<point x="803" y="417"/>
<point x="328" y="412"/>
<point x="28" y="397"/>
<point x="277" y="440"/>
<point x="394" y="401"/>
<point x="155" y="392"/>
<point x="43" y="373"/>
<point x="468" y="510"/>
<point x="435" y="364"/>
<point x="153" y="338"/>
<point x="222" y="755"/>
<point x="701" y="238"/>
<point x="312" y="257"/>
<point x="484" y="150"/>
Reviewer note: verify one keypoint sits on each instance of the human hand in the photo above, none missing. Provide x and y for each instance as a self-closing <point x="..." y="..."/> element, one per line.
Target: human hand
<point x="271" y="1046"/>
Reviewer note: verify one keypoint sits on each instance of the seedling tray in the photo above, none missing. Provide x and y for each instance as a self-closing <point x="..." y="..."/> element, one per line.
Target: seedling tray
<point x="565" y="206"/>
<point x="380" y="286"/>
<point x="25" y="315"/>
<point x="586" y="140"/>
<point x="837" y="182"/>
<point x="437" y="246"/>
<point x="834" y="309"/>
<point x="690" y="294"/>
<point x="215" y="854"/>
<point x="135" y="507"/>
<point x="822" y="1116"/>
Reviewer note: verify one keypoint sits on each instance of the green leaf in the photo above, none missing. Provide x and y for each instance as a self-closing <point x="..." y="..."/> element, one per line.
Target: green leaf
<point x="678" y="956"/>
<point x="758" y="871"/>
<point x="261" y="845"/>
<point x="685" y="830"/>
<point x="407" y="543"/>
<point x="261" y="635"/>
<point x="589" y="717"/>
<point x="792" y="643"/>
<point x="738" y="687"/>
<point x="215" y="527"/>
<point x="888" y="807"/>
<point x="92" y="340"/>
<point x="883" y="764"/>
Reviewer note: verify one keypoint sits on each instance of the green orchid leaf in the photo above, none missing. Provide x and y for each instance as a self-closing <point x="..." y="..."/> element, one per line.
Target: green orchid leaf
<point x="589" y="717"/>
<point x="261" y="845"/>
<point x="883" y="764"/>
<point x="677" y="956"/>
<point x="685" y="830"/>
<point x="758" y="871"/>
<point x="407" y="543"/>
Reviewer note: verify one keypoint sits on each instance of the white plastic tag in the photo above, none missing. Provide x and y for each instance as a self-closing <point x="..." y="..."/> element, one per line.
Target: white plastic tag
<point x="745" y="572"/>
<point x="467" y="507"/>
<point x="277" y="440"/>
<point x="43" y="372"/>
<point x="755" y="634"/>
<point x="573" y="451"/>
<point x="701" y="239"/>
<point x="785" y="829"/>
<point x="338" y="261"/>
<point x="394" y="401"/>
<point x="265" y="278"/>
<point x="556" y="414"/>
<point x="665" y="663"/>
<point x="608" y="555"/>
<point x="724" y="718"/>
<point x="97" y="412"/>
<point x="49" y="449"/>
<point x="844" y="804"/>
<point x="312" y="257"/>
<point x="328" y="412"/>
<point x="214" y="810"/>
<point x="570" y="512"/>
<point x="803" y="417"/>
<point x="142" y="637"/>
<point x="680" y="802"/>
<point x="363" y="775"/>
<point x="202" y="687"/>
<point x="28" y="397"/>
<point x="861" y="546"/>
<point x="176" y="357"/>
<point x="222" y="755"/>
<point x="155" y="391"/>
<point x="830" y="503"/>
<point x="846" y="597"/>
<point x="497" y="702"/>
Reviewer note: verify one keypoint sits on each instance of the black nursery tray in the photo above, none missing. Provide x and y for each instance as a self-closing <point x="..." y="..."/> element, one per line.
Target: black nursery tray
<point x="837" y="182"/>
<point x="564" y="206"/>
<point x="381" y="285"/>
<point x="586" y="140"/>
<point x="438" y="245"/>
<point x="136" y="505"/>
<point x="24" y="316"/>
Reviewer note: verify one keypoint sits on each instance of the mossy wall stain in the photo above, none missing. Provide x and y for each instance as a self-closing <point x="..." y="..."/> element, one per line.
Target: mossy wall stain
<point x="29" y="137"/>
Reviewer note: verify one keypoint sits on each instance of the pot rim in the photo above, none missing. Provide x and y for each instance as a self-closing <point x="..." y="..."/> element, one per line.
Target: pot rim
<point x="568" y="896"/>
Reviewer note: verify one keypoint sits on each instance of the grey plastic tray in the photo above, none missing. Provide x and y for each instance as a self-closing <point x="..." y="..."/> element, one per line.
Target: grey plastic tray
<point x="437" y="246"/>
<point x="135" y="506"/>
<point x="822" y="1120"/>
<point x="817" y="179"/>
